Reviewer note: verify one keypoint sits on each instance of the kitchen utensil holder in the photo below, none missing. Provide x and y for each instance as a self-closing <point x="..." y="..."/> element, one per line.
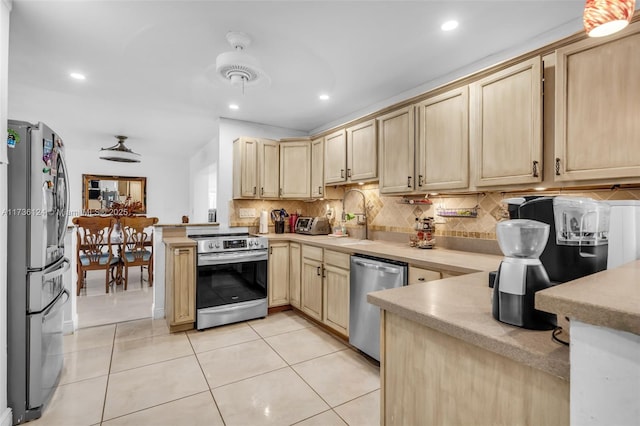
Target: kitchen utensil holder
<point x="279" y="225"/>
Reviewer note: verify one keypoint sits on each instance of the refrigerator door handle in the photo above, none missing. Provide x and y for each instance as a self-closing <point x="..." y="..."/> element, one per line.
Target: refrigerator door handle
<point x="59" y="271"/>
<point x="63" y="224"/>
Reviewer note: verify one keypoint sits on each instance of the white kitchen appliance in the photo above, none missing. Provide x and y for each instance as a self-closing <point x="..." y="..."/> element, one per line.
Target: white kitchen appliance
<point x="521" y="274"/>
<point x="624" y="232"/>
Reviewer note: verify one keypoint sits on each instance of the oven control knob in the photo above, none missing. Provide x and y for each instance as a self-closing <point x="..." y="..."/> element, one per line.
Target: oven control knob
<point x="210" y="245"/>
<point x="217" y="245"/>
<point x="251" y="243"/>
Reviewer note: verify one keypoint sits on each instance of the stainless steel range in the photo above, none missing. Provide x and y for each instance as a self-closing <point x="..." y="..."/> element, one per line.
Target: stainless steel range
<point x="232" y="279"/>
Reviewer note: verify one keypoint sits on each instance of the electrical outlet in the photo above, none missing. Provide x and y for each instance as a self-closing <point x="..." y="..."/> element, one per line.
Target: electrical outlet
<point x="247" y="213"/>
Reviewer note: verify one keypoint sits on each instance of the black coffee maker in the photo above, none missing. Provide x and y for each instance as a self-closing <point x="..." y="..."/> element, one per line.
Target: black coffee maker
<point x="578" y="238"/>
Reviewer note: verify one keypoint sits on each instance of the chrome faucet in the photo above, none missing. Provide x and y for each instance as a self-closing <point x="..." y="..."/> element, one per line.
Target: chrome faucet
<point x="364" y="214"/>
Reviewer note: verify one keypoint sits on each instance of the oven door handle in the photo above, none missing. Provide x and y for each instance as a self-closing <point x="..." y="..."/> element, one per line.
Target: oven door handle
<point x="225" y="258"/>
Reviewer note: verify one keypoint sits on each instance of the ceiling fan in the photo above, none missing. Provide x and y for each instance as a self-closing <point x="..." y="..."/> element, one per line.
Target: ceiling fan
<point x="238" y="67"/>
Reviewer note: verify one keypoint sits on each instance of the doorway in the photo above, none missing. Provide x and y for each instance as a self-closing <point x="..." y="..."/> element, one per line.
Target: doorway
<point x="96" y="307"/>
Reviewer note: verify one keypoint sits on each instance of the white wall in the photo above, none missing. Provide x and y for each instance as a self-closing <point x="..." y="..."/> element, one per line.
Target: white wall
<point x="605" y="376"/>
<point x="167" y="179"/>
<point x="5" y="11"/>
<point x="229" y="130"/>
<point x="203" y="181"/>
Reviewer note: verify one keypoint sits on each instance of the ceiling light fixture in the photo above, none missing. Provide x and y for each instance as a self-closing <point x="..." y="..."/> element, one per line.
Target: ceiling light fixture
<point x="237" y="67"/>
<point x="324" y="97"/>
<point x="77" y="76"/>
<point x="604" y="17"/>
<point x="449" y="25"/>
<point x="234" y="106"/>
<point x="119" y="152"/>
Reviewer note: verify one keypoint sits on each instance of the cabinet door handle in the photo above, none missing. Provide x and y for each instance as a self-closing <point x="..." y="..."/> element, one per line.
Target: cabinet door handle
<point x="262" y="190"/>
<point x="420" y="179"/>
<point x="409" y="181"/>
<point x="421" y="279"/>
<point x="535" y="168"/>
<point x="342" y="173"/>
<point x="348" y="172"/>
<point x="280" y="192"/>
<point x="254" y="190"/>
<point x="320" y="190"/>
<point x="270" y="250"/>
<point x="557" y="167"/>
<point x="318" y="271"/>
<point x="323" y="274"/>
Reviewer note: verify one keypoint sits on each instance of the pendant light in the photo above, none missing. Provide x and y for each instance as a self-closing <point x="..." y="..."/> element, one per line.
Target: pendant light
<point x="119" y="152"/>
<point x="605" y="17"/>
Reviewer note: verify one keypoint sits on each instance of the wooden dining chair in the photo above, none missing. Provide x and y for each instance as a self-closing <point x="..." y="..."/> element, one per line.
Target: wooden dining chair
<point x="93" y="248"/>
<point x="137" y="232"/>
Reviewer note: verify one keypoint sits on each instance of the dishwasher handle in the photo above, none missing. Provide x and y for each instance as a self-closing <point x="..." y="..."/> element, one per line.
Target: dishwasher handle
<point x="378" y="267"/>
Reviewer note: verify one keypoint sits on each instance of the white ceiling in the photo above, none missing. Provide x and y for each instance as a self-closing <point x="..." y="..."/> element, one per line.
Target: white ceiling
<point x="146" y="61"/>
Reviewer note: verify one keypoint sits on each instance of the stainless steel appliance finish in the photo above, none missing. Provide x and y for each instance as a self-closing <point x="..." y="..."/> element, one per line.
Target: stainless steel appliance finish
<point x="370" y="274"/>
<point x="232" y="279"/>
<point x="38" y="199"/>
<point x="312" y="226"/>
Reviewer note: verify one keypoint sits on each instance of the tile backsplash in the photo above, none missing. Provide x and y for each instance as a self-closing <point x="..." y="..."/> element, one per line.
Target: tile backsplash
<point x="391" y="214"/>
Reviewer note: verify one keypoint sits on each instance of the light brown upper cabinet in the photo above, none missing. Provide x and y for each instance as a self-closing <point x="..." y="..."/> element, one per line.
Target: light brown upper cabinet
<point x="317" y="168"/>
<point x="255" y="168"/>
<point x="443" y="141"/>
<point x="335" y="163"/>
<point x="362" y="152"/>
<point x="506" y="125"/>
<point x="397" y="137"/>
<point x="598" y="108"/>
<point x="295" y="169"/>
<point x="351" y="154"/>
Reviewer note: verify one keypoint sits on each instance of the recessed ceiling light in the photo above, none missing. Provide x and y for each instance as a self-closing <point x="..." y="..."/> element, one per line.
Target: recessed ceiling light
<point x="324" y="97"/>
<point x="77" y="76"/>
<point x="449" y="25"/>
<point x="234" y="106"/>
<point x="540" y="188"/>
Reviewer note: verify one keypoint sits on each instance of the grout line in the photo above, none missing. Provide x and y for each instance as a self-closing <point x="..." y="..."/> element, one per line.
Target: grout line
<point x="106" y="389"/>
<point x="205" y="379"/>
<point x="154" y="406"/>
<point x="307" y="418"/>
<point x="151" y="363"/>
<point x="251" y="377"/>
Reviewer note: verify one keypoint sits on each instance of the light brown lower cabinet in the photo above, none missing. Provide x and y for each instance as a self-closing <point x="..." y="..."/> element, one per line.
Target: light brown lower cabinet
<point x="295" y="274"/>
<point x="431" y="378"/>
<point x="325" y="287"/>
<point x="180" y="283"/>
<point x="278" y="284"/>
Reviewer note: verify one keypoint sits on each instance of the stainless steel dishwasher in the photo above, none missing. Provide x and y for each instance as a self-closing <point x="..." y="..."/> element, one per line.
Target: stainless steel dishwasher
<point x="370" y="274"/>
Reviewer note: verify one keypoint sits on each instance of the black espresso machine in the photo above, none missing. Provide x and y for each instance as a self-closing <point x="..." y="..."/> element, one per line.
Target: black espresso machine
<point x="577" y="246"/>
<point x="578" y="239"/>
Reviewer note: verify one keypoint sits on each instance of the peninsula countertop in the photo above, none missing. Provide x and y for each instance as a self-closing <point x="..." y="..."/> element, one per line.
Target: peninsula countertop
<point x="461" y="307"/>
<point x="610" y="298"/>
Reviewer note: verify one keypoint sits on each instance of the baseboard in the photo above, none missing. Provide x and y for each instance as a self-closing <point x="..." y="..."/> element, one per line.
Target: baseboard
<point x="158" y="313"/>
<point x="68" y="327"/>
<point x="6" y="418"/>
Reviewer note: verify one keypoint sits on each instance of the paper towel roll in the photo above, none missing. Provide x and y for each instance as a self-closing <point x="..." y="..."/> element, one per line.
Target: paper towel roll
<point x="264" y="223"/>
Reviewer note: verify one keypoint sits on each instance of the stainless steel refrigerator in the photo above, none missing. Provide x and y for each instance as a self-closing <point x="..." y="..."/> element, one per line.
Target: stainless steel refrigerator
<point x="38" y="199"/>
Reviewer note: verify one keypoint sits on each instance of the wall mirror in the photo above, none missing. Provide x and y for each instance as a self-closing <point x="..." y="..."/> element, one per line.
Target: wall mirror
<point x="100" y="192"/>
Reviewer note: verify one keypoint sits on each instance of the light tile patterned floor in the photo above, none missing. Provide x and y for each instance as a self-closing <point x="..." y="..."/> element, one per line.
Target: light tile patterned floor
<point x="97" y="307"/>
<point x="281" y="370"/>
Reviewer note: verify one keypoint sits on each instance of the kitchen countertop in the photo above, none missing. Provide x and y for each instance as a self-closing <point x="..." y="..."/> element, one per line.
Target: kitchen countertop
<point x="460" y="262"/>
<point x="179" y="225"/>
<point x="461" y="307"/>
<point x="610" y="298"/>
